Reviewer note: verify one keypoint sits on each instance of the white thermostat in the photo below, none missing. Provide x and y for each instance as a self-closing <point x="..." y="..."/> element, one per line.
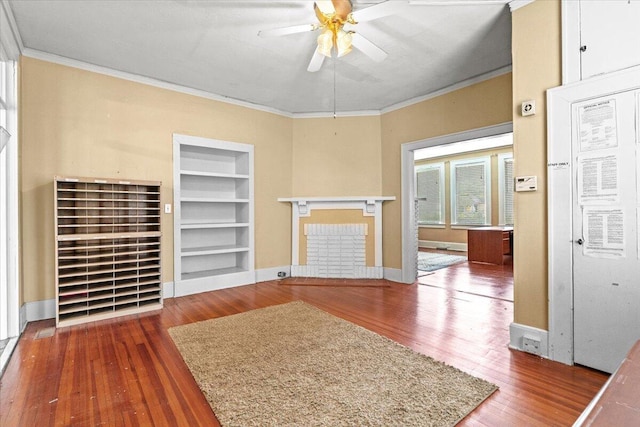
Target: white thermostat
<point x="526" y="183"/>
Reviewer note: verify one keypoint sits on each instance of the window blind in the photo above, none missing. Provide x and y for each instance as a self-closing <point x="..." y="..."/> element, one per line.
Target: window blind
<point x="470" y="194"/>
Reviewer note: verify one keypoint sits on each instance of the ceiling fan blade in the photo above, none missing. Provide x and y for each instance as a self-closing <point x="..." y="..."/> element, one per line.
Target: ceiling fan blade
<point x="316" y="61"/>
<point x="325" y="6"/>
<point x="456" y="2"/>
<point x="275" y="32"/>
<point x="377" y="11"/>
<point x="368" y="48"/>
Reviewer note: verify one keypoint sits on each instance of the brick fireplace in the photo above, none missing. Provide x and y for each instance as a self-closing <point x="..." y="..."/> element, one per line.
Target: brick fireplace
<point x="336" y="237"/>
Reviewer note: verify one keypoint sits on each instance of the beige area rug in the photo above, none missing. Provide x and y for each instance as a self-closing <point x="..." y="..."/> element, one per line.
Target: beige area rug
<point x="295" y="365"/>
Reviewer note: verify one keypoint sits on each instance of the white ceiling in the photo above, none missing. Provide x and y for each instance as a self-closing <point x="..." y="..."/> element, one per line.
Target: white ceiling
<point x="213" y="46"/>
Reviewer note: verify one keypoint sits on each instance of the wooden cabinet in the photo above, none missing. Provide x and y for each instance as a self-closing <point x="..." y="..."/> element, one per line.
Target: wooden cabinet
<point x="213" y="220"/>
<point x="489" y="244"/>
<point x="107" y="248"/>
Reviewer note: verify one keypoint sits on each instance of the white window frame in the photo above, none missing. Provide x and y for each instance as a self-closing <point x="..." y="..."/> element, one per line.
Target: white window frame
<point x="440" y="167"/>
<point x="486" y="162"/>
<point x="12" y="322"/>
<point x="502" y="159"/>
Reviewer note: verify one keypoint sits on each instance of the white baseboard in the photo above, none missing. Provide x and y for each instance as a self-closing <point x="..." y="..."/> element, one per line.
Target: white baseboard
<point x="393" y="274"/>
<point x="359" y="273"/>
<point x="518" y="332"/>
<point x="37" y="310"/>
<point x="450" y="246"/>
<point x="206" y="284"/>
<point x="271" y="273"/>
<point x="168" y="290"/>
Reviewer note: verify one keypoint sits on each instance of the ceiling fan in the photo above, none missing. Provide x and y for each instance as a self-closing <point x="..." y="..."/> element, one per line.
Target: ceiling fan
<point x="337" y="23"/>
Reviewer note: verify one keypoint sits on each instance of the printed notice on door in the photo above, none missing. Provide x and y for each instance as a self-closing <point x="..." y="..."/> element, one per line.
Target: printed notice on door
<point x="598" y="178"/>
<point x="597" y="125"/>
<point x="603" y="230"/>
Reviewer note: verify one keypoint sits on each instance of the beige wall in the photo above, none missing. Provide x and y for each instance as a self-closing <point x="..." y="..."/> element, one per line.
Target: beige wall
<point x="448" y="234"/>
<point x="536" y="68"/>
<point x="337" y="157"/>
<point x="78" y="123"/>
<point x="480" y="105"/>
<point x="74" y="122"/>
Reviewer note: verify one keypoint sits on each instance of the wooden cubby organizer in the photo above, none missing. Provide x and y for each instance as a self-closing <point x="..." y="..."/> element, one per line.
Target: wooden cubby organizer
<point x="107" y="248"/>
<point x="213" y="218"/>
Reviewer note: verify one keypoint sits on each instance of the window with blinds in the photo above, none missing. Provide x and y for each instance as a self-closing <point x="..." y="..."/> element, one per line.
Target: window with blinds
<point x="471" y="191"/>
<point x="430" y="194"/>
<point x="505" y="179"/>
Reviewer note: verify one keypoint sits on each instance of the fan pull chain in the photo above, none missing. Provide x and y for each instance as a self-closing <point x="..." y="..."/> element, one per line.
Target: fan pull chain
<point x="334" y="87"/>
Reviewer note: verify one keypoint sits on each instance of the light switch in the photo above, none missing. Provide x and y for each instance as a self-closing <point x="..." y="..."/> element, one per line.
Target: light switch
<point x="167" y="208"/>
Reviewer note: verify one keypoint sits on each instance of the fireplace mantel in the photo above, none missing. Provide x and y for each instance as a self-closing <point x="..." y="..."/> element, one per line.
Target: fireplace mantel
<point x="302" y="206"/>
<point x="305" y="204"/>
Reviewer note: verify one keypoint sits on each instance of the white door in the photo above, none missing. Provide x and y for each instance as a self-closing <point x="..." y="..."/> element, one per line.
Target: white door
<point x="609" y="34"/>
<point x="606" y="212"/>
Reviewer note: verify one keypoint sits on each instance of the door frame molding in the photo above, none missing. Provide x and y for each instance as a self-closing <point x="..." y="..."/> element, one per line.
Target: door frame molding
<point x="409" y="237"/>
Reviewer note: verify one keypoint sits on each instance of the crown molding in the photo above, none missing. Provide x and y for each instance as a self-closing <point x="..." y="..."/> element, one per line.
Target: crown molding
<point x="338" y="114"/>
<point x="68" y="62"/>
<point x="517" y="4"/>
<point x="444" y="91"/>
<point x="10" y="40"/>
<point x="61" y="60"/>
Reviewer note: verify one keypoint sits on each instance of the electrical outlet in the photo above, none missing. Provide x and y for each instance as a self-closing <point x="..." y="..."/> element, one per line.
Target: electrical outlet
<point x="531" y="345"/>
<point x="282" y="274"/>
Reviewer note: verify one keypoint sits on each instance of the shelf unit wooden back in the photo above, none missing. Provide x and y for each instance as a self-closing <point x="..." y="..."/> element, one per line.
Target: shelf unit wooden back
<point x="107" y="248"/>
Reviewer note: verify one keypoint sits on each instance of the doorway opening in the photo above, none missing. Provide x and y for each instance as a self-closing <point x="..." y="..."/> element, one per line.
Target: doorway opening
<point x="449" y="184"/>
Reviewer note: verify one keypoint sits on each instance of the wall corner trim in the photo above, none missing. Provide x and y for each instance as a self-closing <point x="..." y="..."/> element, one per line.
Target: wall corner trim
<point x="393" y="274"/>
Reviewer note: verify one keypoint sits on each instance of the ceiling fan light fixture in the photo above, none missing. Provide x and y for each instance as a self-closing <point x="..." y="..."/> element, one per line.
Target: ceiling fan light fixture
<point x="343" y="42"/>
<point x="325" y="42"/>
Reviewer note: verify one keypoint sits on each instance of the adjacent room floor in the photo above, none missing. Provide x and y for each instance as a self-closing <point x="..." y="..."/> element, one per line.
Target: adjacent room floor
<point x="127" y="371"/>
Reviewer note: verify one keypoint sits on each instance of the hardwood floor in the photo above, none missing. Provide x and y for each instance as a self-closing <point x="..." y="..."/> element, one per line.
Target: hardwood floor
<point x="128" y="372"/>
<point x="494" y="281"/>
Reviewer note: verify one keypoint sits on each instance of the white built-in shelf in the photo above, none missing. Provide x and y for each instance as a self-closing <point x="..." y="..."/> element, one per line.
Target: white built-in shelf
<point x="213" y="219"/>
<point x="211" y="250"/>
<point x="214" y="174"/>
<point x="107" y="248"/>
<point x="212" y="200"/>
<point x="203" y="224"/>
<point x="207" y="274"/>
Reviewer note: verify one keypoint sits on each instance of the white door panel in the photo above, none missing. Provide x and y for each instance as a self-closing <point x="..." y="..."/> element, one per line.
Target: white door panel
<point x="606" y="264"/>
<point x="611" y="34"/>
